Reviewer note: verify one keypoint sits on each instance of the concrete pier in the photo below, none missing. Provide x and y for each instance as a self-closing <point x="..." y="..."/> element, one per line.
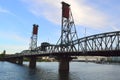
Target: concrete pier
<point x="20" y="60"/>
<point x="64" y="64"/>
<point x="12" y="60"/>
<point x="32" y="63"/>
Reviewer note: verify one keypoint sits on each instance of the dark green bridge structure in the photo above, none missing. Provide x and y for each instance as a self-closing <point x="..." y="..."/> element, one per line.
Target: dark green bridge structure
<point x="69" y="45"/>
<point x="106" y="44"/>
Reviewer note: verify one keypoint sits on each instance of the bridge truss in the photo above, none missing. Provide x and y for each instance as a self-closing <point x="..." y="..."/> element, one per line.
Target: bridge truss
<point x="105" y="42"/>
<point x="68" y="30"/>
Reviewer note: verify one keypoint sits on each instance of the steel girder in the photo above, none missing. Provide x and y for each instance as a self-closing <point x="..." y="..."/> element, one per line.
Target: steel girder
<point x="99" y="42"/>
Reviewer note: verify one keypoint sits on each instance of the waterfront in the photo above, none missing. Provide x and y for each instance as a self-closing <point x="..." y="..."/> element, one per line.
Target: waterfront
<point x="49" y="71"/>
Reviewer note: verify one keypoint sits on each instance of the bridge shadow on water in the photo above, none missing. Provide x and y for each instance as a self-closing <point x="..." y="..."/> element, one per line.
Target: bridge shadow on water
<point x="42" y="72"/>
<point x="37" y="74"/>
<point x="49" y="71"/>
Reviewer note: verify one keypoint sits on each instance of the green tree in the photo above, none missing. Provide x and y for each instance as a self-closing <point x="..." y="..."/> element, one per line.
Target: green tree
<point x="3" y="54"/>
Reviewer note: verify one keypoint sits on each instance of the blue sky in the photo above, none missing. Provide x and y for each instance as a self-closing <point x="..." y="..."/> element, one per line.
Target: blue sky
<point x="18" y="16"/>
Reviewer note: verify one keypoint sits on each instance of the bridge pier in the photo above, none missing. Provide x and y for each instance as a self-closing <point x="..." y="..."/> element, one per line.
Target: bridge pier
<point x="32" y="63"/>
<point x="20" y="60"/>
<point x="64" y="63"/>
<point x="12" y="60"/>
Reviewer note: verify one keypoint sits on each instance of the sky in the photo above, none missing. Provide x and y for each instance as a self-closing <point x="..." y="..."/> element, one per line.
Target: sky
<point x="18" y="16"/>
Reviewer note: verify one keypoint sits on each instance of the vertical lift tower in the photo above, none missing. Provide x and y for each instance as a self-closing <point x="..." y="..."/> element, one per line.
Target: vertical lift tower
<point x="33" y="43"/>
<point x="68" y="35"/>
<point x="33" y="46"/>
<point x="68" y="30"/>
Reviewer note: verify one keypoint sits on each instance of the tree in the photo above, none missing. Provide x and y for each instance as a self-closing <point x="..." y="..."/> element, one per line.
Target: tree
<point x="3" y="54"/>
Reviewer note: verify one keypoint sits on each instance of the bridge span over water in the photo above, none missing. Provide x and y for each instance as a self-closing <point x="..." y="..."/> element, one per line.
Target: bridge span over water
<point x="105" y="44"/>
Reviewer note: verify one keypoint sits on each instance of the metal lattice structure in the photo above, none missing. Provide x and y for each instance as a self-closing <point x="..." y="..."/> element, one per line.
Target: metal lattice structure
<point x="33" y="43"/>
<point x="100" y="42"/>
<point x="106" y="41"/>
<point x="104" y="44"/>
<point x="68" y="30"/>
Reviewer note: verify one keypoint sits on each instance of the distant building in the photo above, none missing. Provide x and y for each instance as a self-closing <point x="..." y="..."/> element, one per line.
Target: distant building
<point x="48" y="59"/>
<point x="92" y="58"/>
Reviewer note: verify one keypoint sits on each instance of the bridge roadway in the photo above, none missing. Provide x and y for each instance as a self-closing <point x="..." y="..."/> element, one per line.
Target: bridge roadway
<point x="88" y="53"/>
<point x="105" y="44"/>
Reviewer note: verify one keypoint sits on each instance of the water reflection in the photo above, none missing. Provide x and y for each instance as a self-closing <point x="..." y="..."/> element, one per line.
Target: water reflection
<point x="43" y="74"/>
<point x="49" y="71"/>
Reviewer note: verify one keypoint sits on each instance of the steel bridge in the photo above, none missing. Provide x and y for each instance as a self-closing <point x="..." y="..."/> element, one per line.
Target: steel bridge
<point x="104" y="44"/>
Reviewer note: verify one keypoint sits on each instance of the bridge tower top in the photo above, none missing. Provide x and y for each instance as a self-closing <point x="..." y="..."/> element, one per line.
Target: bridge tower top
<point x="68" y="30"/>
<point x="33" y="43"/>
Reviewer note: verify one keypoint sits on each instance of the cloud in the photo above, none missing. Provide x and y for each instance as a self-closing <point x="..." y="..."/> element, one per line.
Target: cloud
<point x="83" y="14"/>
<point x="45" y="8"/>
<point x="12" y="49"/>
<point x="13" y="36"/>
<point x="87" y="15"/>
<point x="12" y="42"/>
<point x="3" y="10"/>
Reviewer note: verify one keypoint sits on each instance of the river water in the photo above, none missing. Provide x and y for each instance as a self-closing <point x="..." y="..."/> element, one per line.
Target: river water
<point x="49" y="71"/>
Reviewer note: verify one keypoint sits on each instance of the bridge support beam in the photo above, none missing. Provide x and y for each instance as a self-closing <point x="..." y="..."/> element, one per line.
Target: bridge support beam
<point x="64" y="64"/>
<point x="12" y="60"/>
<point x="20" y="60"/>
<point x="32" y="63"/>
